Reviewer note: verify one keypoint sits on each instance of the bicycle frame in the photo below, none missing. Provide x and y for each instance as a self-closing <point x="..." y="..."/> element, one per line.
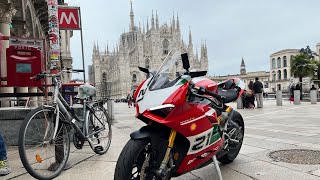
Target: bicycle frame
<point x="71" y="117"/>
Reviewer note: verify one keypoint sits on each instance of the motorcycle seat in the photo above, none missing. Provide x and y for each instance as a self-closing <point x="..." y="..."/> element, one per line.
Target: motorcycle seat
<point x="229" y="94"/>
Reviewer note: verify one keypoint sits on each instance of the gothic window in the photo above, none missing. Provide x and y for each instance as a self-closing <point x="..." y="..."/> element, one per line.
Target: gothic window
<point x="279" y="74"/>
<point x="104" y="77"/>
<point x="285" y="74"/>
<point x="147" y="63"/>
<point x="273" y="76"/>
<point x="165" y="46"/>
<point x="279" y="62"/>
<point x="273" y="63"/>
<point x="284" y="61"/>
<point x="134" y="78"/>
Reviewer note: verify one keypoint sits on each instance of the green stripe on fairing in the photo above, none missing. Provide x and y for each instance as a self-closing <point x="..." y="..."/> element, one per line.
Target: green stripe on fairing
<point x="183" y="81"/>
<point x="215" y="137"/>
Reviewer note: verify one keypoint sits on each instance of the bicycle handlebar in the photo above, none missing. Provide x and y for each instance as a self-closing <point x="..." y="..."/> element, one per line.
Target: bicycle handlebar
<point x="42" y="75"/>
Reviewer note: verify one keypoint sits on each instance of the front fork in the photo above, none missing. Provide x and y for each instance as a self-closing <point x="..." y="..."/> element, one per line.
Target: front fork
<point x="162" y="171"/>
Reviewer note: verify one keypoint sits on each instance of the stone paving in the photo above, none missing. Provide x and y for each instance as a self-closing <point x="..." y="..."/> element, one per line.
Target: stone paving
<point x="268" y="129"/>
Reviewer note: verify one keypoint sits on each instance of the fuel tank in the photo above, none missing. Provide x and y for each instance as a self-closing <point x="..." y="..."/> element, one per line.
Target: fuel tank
<point x="207" y="83"/>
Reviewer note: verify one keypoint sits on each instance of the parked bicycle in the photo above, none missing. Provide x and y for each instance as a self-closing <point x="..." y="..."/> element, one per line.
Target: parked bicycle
<point x="44" y="139"/>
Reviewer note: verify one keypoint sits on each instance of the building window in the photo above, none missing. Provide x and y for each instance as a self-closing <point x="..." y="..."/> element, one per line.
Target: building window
<point x="147" y="66"/>
<point x="134" y="78"/>
<point x="147" y="63"/>
<point x="279" y="75"/>
<point x="273" y="76"/>
<point x="273" y="63"/>
<point x="284" y="61"/>
<point x="165" y="46"/>
<point x="104" y="77"/>
<point x="279" y="86"/>
<point x="285" y="74"/>
<point x="279" y="62"/>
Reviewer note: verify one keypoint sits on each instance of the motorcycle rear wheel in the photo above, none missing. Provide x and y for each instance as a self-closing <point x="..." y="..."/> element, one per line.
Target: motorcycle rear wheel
<point x="234" y="149"/>
<point x="135" y="161"/>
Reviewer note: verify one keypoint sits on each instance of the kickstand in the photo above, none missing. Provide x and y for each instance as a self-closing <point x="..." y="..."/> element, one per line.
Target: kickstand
<point x="215" y="161"/>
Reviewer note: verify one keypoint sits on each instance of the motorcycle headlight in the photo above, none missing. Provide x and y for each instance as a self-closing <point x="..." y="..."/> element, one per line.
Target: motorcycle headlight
<point x="163" y="110"/>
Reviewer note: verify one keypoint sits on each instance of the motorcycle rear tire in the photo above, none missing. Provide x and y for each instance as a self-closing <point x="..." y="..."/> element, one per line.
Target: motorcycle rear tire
<point x="230" y="156"/>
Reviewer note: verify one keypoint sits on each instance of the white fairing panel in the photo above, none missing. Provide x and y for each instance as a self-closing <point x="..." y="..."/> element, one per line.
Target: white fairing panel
<point x="147" y="99"/>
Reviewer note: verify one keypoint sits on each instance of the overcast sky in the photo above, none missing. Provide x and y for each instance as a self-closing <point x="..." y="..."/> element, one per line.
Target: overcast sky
<point x="249" y="28"/>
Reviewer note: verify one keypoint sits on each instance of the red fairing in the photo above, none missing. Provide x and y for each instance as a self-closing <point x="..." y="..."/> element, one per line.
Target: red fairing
<point x="135" y="97"/>
<point x="190" y="119"/>
<point x="209" y="85"/>
<point x="191" y="161"/>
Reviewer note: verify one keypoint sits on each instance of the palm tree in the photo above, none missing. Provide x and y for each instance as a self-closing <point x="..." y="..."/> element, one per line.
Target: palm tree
<point x="302" y="66"/>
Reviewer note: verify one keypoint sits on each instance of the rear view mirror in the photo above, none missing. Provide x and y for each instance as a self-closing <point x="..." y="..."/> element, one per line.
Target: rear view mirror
<point x="145" y="70"/>
<point x="185" y="61"/>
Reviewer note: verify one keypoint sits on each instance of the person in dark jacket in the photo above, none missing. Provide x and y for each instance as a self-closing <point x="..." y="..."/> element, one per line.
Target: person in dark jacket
<point x="298" y="87"/>
<point x="257" y="91"/>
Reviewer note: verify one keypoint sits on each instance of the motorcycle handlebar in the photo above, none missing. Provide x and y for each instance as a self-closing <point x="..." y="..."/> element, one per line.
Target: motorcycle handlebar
<point x="203" y="90"/>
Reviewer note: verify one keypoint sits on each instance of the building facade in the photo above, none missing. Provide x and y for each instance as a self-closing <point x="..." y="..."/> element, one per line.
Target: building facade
<point x="28" y="19"/>
<point x="115" y="72"/>
<point x="246" y="77"/>
<point x="280" y="70"/>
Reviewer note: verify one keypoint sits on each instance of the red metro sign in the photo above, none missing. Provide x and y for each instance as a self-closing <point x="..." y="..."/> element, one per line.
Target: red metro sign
<point x="69" y="17"/>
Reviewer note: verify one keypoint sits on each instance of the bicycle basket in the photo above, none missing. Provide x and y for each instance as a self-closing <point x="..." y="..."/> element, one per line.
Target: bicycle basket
<point x="86" y="91"/>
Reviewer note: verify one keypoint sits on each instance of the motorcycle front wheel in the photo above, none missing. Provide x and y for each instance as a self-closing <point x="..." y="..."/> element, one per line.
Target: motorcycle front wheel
<point x="135" y="162"/>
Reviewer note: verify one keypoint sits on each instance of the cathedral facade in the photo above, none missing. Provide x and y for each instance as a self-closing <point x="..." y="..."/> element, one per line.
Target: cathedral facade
<point x="115" y="72"/>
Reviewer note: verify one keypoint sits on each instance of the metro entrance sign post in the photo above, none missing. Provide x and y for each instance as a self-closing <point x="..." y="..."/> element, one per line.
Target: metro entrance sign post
<point x="70" y="19"/>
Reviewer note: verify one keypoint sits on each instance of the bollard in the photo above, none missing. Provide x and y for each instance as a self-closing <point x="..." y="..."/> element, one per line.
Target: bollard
<point x="313" y="96"/>
<point x="296" y="97"/>
<point x="279" y="98"/>
<point x="239" y="103"/>
<point x="110" y="106"/>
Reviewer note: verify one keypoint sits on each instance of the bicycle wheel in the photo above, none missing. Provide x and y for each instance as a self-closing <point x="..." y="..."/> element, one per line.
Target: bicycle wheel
<point x="42" y="156"/>
<point x="98" y="129"/>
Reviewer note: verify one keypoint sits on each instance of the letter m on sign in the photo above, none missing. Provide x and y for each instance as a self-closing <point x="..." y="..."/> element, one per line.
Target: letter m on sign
<point x="69" y="17"/>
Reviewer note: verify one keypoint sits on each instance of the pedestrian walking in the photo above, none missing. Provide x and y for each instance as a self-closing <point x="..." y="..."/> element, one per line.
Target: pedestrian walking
<point x="313" y="88"/>
<point x="292" y="88"/>
<point x="257" y="91"/>
<point x="4" y="166"/>
<point x="129" y="99"/>
<point x="298" y="87"/>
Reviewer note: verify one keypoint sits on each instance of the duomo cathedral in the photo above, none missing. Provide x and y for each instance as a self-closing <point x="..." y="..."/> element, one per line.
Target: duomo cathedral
<point x="115" y="72"/>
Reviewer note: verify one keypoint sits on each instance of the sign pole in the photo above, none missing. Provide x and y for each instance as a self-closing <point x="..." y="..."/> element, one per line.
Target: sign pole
<point x="83" y="65"/>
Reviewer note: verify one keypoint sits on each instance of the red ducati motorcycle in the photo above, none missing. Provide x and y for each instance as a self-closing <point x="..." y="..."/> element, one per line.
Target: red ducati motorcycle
<point x="188" y="122"/>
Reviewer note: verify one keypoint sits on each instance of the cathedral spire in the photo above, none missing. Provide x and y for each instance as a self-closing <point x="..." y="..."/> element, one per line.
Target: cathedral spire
<point x="243" y="67"/>
<point x="197" y="56"/>
<point x="94" y="47"/>
<point x="147" y="24"/>
<point x="152" y="21"/>
<point x="144" y="30"/>
<point x="139" y="27"/>
<point x="98" y="49"/>
<point x="173" y="21"/>
<point x="108" y="47"/>
<point x="157" y="20"/>
<point x="131" y="17"/>
<point x="242" y="62"/>
<point x="190" y="36"/>
<point x="178" y="23"/>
